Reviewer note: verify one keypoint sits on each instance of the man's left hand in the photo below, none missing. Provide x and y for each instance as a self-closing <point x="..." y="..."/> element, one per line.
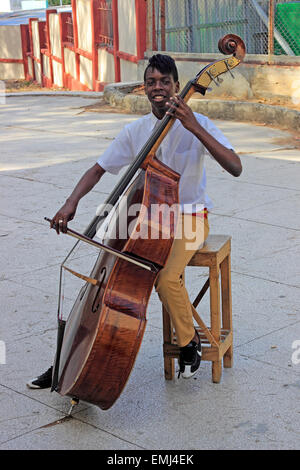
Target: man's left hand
<point x="180" y="110"/>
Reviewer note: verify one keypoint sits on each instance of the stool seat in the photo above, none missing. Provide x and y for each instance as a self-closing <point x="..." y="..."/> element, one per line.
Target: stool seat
<point x="217" y="338"/>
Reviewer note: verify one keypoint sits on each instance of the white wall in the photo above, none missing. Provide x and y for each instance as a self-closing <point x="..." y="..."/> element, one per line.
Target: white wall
<point x="84" y="22"/>
<point x="11" y="71"/>
<point x="86" y="72"/>
<point x="106" y="66"/>
<point x="57" y="73"/>
<point x="11" y="48"/>
<point x="70" y="64"/>
<point x="10" y="5"/>
<point x="128" y="71"/>
<point x="127" y="26"/>
<point x="55" y="34"/>
<point x="46" y="66"/>
<point x="10" y="42"/>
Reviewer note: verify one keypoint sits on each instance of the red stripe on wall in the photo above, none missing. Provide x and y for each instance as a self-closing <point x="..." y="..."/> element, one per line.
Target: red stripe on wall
<point x="129" y="57"/>
<point x="12" y="61"/>
<point x="51" y="79"/>
<point x="25" y="47"/>
<point x="75" y="30"/>
<point x="94" y="7"/>
<point x="116" y="40"/>
<point x="141" y="27"/>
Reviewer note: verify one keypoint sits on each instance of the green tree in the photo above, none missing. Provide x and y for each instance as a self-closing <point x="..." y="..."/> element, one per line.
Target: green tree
<point x="55" y="3"/>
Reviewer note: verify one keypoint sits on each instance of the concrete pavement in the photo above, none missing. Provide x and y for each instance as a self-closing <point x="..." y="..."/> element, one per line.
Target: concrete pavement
<point x="46" y="144"/>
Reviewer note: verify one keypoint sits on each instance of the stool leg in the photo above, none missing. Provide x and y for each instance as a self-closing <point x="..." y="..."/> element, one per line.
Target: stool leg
<point x="169" y="365"/>
<point x="216" y="371"/>
<point x="227" y="307"/>
<point x="214" y="275"/>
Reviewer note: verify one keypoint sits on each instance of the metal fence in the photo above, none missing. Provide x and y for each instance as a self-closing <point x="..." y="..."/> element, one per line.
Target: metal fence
<point x="69" y="33"/>
<point x="105" y="22"/>
<point x="266" y="26"/>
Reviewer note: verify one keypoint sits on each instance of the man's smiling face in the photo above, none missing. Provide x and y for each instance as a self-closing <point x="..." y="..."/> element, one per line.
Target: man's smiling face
<point x="159" y="87"/>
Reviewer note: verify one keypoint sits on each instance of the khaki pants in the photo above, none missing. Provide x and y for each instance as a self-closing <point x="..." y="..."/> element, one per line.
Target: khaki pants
<point x="191" y="233"/>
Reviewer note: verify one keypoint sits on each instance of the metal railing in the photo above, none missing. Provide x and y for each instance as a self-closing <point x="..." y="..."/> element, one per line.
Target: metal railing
<point x="105" y="23"/>
<point x="69" y="30"/>
<point x="266" y="26"/>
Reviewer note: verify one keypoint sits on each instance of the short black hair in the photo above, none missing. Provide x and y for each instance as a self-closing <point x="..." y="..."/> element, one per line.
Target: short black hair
<point x="163" y="63"/>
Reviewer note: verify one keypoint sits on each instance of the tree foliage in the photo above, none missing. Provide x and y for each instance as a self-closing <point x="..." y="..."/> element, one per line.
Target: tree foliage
<point x="55" y="3"/>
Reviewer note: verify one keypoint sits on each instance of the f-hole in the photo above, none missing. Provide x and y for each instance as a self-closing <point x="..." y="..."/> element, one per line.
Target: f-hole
<point x="95" y="305"/>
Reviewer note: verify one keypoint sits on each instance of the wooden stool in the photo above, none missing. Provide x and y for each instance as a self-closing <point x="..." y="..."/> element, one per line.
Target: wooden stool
<point x="216" y="339"/>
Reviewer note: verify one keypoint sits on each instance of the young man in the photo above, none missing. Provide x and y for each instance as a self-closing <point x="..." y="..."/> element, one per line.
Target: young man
<point x="191" y="137"/>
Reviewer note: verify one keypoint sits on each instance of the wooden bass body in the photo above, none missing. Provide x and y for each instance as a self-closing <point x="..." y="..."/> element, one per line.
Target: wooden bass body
<point x="106" y="325"/>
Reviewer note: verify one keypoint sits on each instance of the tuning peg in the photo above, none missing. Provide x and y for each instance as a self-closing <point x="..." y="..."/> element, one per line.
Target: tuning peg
<point x="228" y="69"/>
<point x="212" y="78"/>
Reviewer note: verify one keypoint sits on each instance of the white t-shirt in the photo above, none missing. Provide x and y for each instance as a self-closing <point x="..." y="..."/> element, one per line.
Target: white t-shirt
<point x="180" y="150"/>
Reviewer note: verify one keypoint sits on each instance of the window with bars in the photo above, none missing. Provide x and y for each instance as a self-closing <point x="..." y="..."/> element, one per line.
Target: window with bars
<point x="105" y="19"/>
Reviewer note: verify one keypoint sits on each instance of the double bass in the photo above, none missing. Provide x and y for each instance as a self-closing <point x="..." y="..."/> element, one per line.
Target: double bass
<point x="98" y="344"/>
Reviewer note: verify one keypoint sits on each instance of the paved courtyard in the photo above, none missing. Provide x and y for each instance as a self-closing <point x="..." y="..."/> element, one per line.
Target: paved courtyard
<point x="46" y="144"/>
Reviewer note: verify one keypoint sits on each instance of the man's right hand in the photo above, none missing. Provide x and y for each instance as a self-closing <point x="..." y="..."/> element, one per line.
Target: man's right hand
<point x="63" y="216"/>
<point x="67" y="211"/>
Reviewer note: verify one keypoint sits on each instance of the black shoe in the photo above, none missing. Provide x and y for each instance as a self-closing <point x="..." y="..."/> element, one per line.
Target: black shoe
<point x="42" y="381"/>
<point x="190" y="358"/>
